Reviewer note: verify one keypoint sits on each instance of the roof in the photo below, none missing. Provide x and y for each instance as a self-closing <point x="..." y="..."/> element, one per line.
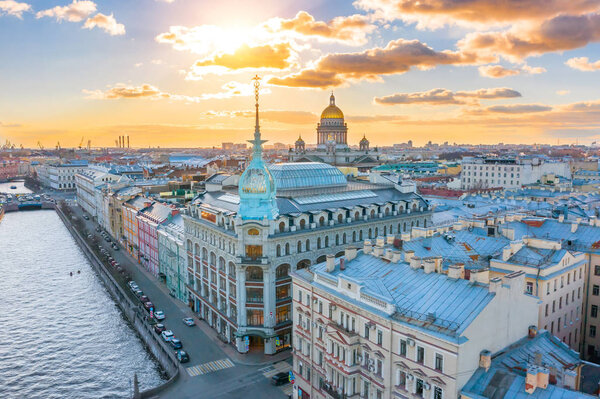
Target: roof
<point x="217" y="178"/>
<point x="454" y="302"/>
<point x="157" y="212"/>
<point x="301" y="175"/>
<point x="506" y="376"/>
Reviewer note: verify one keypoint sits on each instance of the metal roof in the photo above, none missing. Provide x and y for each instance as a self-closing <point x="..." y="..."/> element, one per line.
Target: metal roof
<point x="306" y="175"/>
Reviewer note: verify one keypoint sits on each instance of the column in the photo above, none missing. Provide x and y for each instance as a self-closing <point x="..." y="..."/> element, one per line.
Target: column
<point x="269" y="308"/>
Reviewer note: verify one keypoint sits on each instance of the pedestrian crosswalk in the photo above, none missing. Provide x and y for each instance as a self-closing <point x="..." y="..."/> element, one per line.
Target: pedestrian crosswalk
<point x="281" y="367"/>
<point x="209" y="367"/>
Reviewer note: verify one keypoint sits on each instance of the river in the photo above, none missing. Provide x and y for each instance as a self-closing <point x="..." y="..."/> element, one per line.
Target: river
<point x="62" y="336"/>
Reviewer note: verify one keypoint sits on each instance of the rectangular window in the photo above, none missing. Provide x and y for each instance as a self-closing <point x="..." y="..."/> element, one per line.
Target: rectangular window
<point x="366" y="331"/>
<point x="596" y="290"/>
<point x="594" y="310"/>
<point x="437" y="393"/>
<point x="439" y="362"/>
<point x="379" y="338"/>
<point x="529" y="288"/>
<point x="592" y="331"/>
<point x="402" y="347"/>
<point x="420" y="354"/>
<point x="597" y="270"/>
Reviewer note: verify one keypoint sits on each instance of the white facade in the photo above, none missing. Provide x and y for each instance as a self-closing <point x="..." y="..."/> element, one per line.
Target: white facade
<point x="59" y="176"/>
<point x="507" y="173"/>
<point x="350" y="341"/>
<point x="88" y="184"/>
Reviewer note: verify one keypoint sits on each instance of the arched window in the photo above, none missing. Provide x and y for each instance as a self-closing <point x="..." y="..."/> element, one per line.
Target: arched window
<point x="299" y="246"/>
<point x="344" y="238"/>
<point x="404" y="230"/>
<point x="196" y="250"/>
<point x="213" y="259"/>
<point x="417" y="223"/>
<point x="232" y="269"/>
<point x="385" y="230"/>
<point x="387" y="211"/>
<point x="254" y="273"/>
<point x="222" y="264"/>
<point x="337" y="239"/>
<point x="326" y="241"/>
<point x="308" y="245"/>
<point x="282" y="271"/>
<point x="204" y="255"/>
<point x="354" y="236"/>
<point x="360" y="234"/>
<point x="278" y="251"/>
<point x="281" y="227"/>
<point x="190" y="247"/>
<point x="318" y="242"/>
<point x="253" y="232"/>
<point x="372" y="213"/>
<point x="340" y="218"/>
<point x="287" y="248"/>
<point x="356" y="215"/>
<point x="412" y="224"/>
<point x="302" y="224"/>
<point x="376" y="232"/>
<point x="414" y="207"/>
<point x="322" y="221"/>
<point x="370" y="233"/>
<point x="425" y="223"/>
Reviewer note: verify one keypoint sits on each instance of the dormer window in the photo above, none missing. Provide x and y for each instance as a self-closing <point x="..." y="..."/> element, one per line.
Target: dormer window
<point x="253" y="232"/>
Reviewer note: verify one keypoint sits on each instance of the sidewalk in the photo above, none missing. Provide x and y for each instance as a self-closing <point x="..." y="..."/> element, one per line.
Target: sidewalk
<point x="248" y="359"/>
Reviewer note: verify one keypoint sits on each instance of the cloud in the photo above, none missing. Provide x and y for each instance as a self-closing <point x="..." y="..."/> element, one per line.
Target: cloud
<point x="150" y="92"/>
<point x="563" y="92"/>
<point x="14" y="8"/>
<point x="498" y="71"/>
<point x="351" y="29"/>
<point x="564" y="32"/>
<point x="399" y="56"/>
<point x="583" y="64"/>
<point x="7" y="125"/>
<point x="108" y="23"/>
<point x="436" y="13"/>
<point x="446" y="97"/>
<point x="75" y="12"/>
<point x="276" y="56"/>
<point x="280" y="116"/>
<point x="518" y="108"/>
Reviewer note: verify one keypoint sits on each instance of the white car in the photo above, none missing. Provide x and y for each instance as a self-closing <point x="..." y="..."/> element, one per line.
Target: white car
<point x="188" y="321"/>
<point x="159" y="315"/>
<point x="167" y="335"/>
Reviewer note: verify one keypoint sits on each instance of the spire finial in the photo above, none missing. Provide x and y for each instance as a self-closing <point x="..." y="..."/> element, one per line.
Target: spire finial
<point x="332" y="99"/>
<point x="256" y="80"/>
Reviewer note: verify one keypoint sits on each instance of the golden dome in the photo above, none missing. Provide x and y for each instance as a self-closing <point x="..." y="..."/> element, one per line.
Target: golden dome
<point x="332" y="111"/>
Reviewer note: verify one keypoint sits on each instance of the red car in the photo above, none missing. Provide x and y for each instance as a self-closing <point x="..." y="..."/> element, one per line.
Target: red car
<point x="144" y="299"/>
<point x="148" y="305"/>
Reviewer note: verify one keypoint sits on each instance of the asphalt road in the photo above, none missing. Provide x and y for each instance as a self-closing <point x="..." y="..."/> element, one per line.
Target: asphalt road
<point x="211" y="382"/>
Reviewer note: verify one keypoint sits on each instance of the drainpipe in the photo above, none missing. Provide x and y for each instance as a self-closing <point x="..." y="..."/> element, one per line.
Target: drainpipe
<point x="585" y="314"/>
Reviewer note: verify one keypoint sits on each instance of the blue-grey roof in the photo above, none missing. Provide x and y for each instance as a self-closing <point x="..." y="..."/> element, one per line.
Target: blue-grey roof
<point x="454" y="302"/>
<point x="301" y="175"/>
<point x="506" y="376"/>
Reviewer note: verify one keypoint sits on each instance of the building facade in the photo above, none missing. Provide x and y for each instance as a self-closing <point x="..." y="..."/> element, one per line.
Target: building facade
<point x="148" y="220"/>
<point x="60" y="176"/>
<point x="367" y="325"/>
<point x="172" y="257"/>
<point x="88" y="185"/>
<point x="130" y="211"/>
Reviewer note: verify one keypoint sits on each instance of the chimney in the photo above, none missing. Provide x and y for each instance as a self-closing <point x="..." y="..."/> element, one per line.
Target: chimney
<point x="543" y="377"/>
<point x="574" y="227"/>
<point x="350" y="253"/>
<point x="531" y="379"/>
<point x="380" y="242"/>
<point x="396" y="256"/>
<point x="390" y="239"/>
<point x="408" y="255"/>
<point x="429" y="266"/>
<point x="342" y="264"/>
<point x="495" y="284"/>
<point x="515" y="282"/>
<point x="532" y="331"/>
<point x="415" y="263"/>
<point x="480" y="276"/>
<point x="405" y="237"/>
<point x="561" y="218"/>
<point x="457" y="226"/>
<point x="485" y="359"/>
<point x="330" y="263"/>
<point x="456" y="271"/>
<point x="509" y="232"/>
<point x="368" y="247"/>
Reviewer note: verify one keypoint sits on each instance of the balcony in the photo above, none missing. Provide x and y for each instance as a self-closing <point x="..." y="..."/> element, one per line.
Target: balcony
<point x="332" y="392"/>
<point x="351" y="337"/>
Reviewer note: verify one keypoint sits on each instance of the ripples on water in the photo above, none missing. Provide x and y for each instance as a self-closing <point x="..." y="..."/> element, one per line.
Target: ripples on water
<point x="60" y="336"/>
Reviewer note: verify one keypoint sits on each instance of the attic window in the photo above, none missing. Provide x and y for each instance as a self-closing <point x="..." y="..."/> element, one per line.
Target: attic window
<point x="253" y="232"/>
<point x="349" y="286"/>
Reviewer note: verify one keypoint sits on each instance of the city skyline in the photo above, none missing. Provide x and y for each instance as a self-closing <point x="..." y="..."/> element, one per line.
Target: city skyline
<point x="176" y="73"/>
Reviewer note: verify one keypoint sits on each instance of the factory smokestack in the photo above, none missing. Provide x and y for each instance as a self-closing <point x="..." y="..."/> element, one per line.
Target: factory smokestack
<point x="128" y="141"/>
<point x="119" y="141"/>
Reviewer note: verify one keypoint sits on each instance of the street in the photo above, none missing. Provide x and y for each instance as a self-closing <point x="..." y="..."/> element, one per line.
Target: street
<point x="211" y="372"/>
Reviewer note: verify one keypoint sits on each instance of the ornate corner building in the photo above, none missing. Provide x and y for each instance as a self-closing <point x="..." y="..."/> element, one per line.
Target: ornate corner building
<point x="243" y="242"/>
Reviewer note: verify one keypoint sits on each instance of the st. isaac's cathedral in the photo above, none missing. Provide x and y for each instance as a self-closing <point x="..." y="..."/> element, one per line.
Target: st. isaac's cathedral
<point x="332" y="143"/>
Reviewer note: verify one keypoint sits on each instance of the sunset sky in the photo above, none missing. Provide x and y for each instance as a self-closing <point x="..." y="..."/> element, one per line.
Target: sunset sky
<point x="177" y="72"/>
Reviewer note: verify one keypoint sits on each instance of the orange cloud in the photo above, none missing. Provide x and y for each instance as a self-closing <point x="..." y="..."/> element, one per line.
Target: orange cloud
<point x="564" y="32"/>
<point x="518" y="109"/>
<point x="399" y="56"/>
<point x="498" y="71"/>
<point x="14" y="8"/>
<point x="275" y="56"/>
<point x="147" y="91"/>
<point x="108" y="23"/>
<point x="75" y="12"/>
<point x="446" y="97"/>
<point x="351" y="29"/>
<point x="583" y="64"/>
<point x="435" y="13"/>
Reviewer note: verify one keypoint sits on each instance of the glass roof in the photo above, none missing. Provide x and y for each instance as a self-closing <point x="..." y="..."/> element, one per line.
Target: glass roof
<point x="289" y="176"/>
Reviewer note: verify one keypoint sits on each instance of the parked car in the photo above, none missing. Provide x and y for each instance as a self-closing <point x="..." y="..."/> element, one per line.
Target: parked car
<point x="182" y="356"/>
<point x="86" y="217"/>
<point x="144" y="298"/>
<point x="175" y="343"/>
<point x="107" y="239"/>
<point x="280" y="379"/>
<point x="98" y="229"/>
<point x="148" y="305"/>
<point x="167" y="335"/>
<point x="159" y="315"/>
<point x="132" y="284"/>
<point x="159" y="328"/>
<point x="188" y="321"/>
<point x="115" y="247"/>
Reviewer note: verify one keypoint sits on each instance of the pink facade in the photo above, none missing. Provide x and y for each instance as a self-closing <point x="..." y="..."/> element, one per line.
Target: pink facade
<point x="8" y="169"/>
<point x="148" y="221"/>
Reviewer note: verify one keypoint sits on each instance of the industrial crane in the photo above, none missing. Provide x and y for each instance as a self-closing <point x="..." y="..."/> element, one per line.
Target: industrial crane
<point x="41" y="146"/>
<point x="89" y="145"/>
<point x="81" y="143"/>
<point x="58" y="146"/>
